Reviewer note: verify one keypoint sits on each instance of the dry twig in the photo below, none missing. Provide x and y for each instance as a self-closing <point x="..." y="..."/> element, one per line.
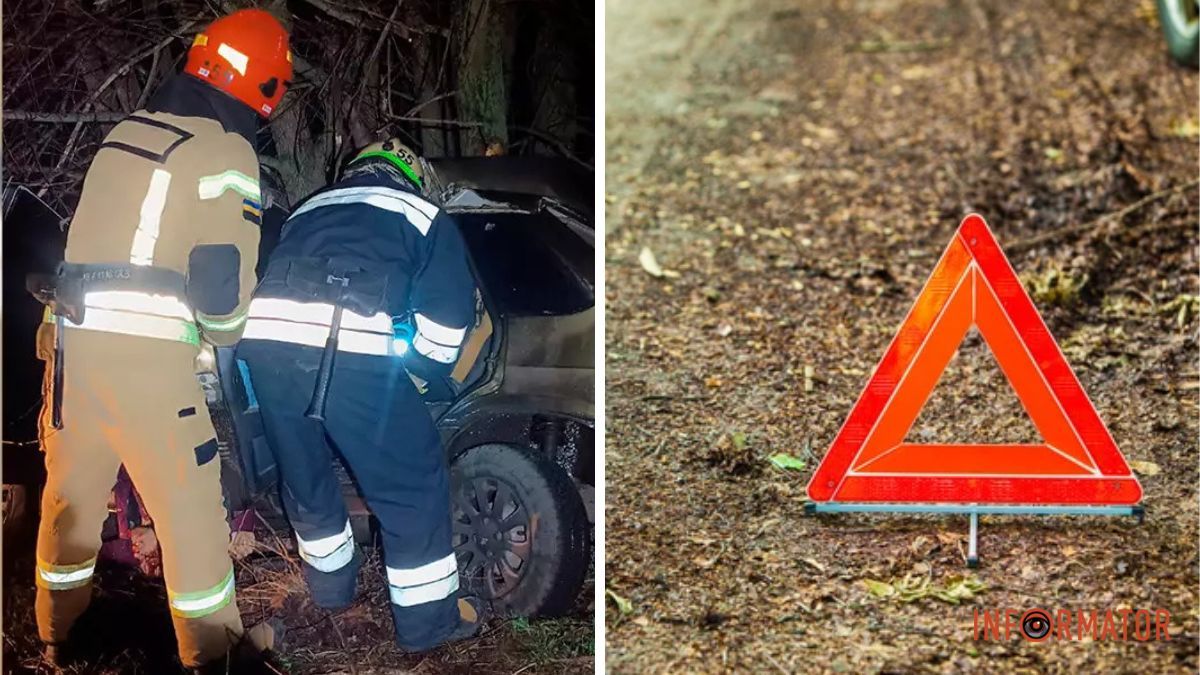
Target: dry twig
<point x="1070" y="230"/>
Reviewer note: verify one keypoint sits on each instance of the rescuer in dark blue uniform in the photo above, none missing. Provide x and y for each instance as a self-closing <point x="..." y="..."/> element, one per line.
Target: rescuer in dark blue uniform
<point x="371" y="254"/>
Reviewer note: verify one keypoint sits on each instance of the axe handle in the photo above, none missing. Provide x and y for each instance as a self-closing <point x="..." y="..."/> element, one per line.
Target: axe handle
<point x="316" y="407"/>
<point x="57" y="394"/>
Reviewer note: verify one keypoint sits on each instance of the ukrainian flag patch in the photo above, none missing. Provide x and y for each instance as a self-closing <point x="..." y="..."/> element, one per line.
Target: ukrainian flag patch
<point x="252" y="211"/>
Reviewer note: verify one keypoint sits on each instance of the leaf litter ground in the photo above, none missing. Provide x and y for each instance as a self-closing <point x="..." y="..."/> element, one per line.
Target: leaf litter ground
<point x="791" y="173"/>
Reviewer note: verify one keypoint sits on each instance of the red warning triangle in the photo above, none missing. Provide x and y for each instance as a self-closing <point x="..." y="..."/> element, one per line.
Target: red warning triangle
<point x="974" y="285"/>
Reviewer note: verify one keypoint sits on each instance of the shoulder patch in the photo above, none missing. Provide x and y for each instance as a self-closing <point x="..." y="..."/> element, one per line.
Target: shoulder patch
<point x="252" y="211"/>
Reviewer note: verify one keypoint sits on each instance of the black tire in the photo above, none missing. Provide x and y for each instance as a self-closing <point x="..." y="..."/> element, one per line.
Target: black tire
<point x="1181" y="29"/>
<point x="511" y="504"/>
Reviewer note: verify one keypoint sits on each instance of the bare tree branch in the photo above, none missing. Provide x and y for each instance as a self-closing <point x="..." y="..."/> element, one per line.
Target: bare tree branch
<point x="91" y="102"/>
<point x="63" y="118"/>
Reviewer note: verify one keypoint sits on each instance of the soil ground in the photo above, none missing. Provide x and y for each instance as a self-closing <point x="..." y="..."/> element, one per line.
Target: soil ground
<point x="795" y="169"/>
<point x="128" y="627"/>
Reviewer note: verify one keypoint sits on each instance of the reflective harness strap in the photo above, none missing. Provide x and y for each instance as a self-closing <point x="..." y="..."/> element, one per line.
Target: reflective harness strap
<point x="202" y="603"/>
<point x="426" y="583"/>
<point x="64" y="577"/>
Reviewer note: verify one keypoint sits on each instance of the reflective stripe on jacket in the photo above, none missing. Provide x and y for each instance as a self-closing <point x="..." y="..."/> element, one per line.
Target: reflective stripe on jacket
<point x="307" y="323"/>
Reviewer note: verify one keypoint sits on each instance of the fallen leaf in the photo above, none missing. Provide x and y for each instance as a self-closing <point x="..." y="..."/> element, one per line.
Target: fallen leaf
<point x="785" y="462"/>
<point x="624" y="606"/>
<point x="739" y="440"/>
<point x="916" y="73"/>
<point x="650" y="264"/>
<point x="949" y="538"/>
<point x="812" y="562"/>
<point x="1145" y="468"/>
<point x="824" y="133"/>
<point x="1186" y="129"/>
<point x="880" y="589"/>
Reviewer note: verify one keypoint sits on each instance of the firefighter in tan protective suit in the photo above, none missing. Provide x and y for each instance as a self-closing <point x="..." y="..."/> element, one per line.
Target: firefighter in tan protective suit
<point x="159" y="262"/>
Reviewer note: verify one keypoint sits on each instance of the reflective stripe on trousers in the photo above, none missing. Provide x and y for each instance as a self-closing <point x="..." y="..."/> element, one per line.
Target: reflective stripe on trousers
<point x="426" y="583"/>
<point x="307" y="323"/>
<point x="328" y="554"/>
<point x="65" y="577"/>
<point x="202" y="603"/>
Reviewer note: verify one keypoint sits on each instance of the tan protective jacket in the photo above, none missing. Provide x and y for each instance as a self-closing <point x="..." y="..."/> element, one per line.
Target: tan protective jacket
<point x="177" y="193"/>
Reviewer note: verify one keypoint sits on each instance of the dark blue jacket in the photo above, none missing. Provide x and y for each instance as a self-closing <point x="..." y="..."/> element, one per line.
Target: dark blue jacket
<point x="382" y="224"/>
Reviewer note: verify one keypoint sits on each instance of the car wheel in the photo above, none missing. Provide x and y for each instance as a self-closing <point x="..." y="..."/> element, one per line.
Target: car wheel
<point x="521" y="534"/>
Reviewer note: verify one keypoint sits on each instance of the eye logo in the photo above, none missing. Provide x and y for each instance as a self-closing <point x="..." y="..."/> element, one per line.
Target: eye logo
<point x="1035" y="625"/>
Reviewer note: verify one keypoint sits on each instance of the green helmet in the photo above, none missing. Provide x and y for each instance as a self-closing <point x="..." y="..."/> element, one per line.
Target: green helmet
<point x="399" y="154"/>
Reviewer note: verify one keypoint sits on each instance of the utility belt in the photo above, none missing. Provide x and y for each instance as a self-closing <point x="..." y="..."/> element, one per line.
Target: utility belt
<point x="306" y="300"/>
<point x="323" y="294"/>
<point x="117" y="298"/>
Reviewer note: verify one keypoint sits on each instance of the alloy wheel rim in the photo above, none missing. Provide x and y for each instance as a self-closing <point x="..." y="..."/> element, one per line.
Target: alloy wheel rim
<point x="492" y="536"/>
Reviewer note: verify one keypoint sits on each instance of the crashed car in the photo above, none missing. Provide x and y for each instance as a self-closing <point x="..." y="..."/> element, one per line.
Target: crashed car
<point x="517" y="416"/>
<point x="517" y="423"/>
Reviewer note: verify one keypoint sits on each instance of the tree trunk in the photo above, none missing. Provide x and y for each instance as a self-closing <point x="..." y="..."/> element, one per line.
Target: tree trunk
<point x="482" y="85"/>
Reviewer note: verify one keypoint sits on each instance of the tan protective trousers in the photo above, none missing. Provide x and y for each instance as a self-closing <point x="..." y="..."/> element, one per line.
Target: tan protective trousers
<point x="134" y="401"/>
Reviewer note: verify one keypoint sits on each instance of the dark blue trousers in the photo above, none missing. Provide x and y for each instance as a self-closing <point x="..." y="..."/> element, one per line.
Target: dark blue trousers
<point x="376" y="421"/>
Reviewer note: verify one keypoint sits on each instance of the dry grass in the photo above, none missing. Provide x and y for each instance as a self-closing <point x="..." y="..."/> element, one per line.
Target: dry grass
<point x="128" y="629"/>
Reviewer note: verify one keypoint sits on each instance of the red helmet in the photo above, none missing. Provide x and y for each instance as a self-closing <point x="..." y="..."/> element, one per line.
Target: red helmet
<point x="245" y="55"/>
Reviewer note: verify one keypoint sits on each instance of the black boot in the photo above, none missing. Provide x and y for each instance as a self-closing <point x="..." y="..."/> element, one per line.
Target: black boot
<point x="333" y="590"/>
<point x="57" y="654"/>
<point x="251" y="655"/>
<point x="473" y="613"/>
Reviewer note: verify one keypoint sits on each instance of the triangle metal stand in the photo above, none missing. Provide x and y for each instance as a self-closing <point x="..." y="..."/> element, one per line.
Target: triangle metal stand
<point x="974" y="511"/>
